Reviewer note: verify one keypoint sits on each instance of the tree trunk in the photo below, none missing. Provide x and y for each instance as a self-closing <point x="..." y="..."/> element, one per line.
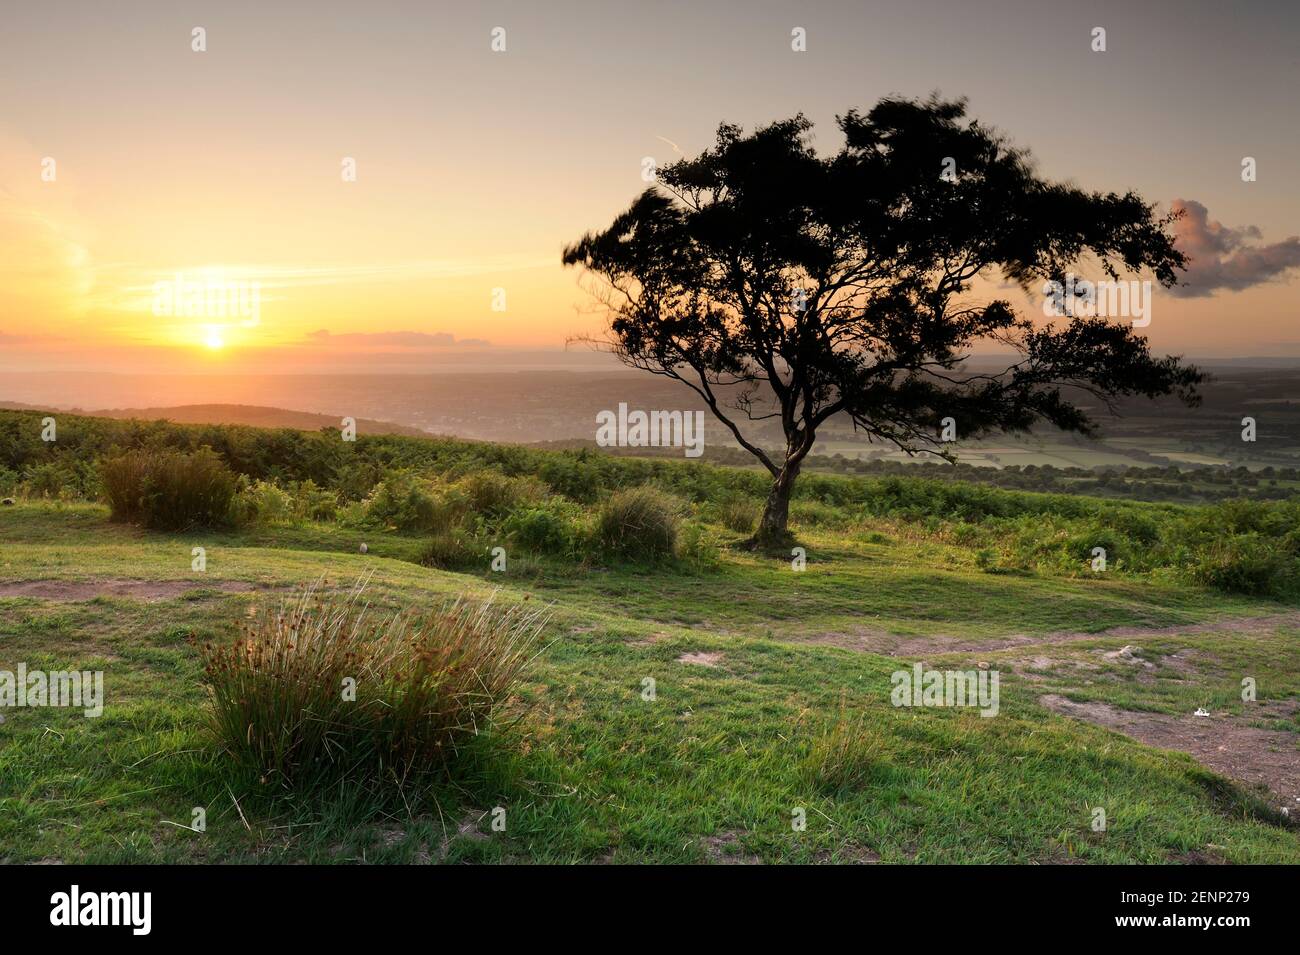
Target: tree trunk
<point x="776" y="513"/>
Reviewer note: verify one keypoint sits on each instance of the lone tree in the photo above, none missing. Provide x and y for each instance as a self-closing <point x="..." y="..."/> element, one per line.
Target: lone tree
<point x="779" y="284"/>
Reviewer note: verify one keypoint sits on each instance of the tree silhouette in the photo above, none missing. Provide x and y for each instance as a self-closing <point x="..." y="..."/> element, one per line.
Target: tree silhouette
<point x="779" y="284"/>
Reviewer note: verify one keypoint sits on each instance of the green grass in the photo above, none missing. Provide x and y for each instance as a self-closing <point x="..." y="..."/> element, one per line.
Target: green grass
<point x="715" y="764"/>
<point x="1185" y="671"/>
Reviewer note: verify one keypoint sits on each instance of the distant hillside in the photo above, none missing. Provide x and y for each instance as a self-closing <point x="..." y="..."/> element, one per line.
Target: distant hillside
<point x="253" y="415"/>
<point x="526" y="407"/>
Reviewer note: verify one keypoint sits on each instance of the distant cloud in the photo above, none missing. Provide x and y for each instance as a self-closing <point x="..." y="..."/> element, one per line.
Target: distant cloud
<point x="1220" y="257"/>
<point x="7" y="339"/>
<point x="130" y="287"/>
<point x="395" y="340"/>
<point x="677" y="149"/>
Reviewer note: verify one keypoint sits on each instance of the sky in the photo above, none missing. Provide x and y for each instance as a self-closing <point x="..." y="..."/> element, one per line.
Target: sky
<point x="135" y="169"/>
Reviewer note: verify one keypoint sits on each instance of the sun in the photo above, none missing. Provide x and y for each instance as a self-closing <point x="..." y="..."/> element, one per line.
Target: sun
<point x="213" y="338"/>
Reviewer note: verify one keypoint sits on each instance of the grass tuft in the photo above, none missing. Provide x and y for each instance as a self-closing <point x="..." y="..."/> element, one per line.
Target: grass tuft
<point x="169" y="490"/>
<point x="847" y="755"/>
<point x="639" y="522"/>
<point x="326" y="687"/>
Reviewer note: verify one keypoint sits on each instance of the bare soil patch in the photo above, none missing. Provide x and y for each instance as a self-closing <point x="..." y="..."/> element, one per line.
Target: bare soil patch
<point x="657" y="637"/>
<point x="847" y="855"/>
<point x="146" y="590"/>
<point x="876" y="641"/>
<point x="1195" y="857"/>
<point x="701" y="659"/>
<point x="1225" y="744"/>
<point x="725" y="849"/>
<point x="466" y="828"/>
<point x="1125" y="654"/>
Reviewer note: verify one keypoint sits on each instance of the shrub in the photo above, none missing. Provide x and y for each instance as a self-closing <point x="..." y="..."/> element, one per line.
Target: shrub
<point x="123" y="479"/>
<point x="639" y="522"/>
<point x="1141" y="529"/>
<point x="739" y="514"/>
<point x="51" y="479"/>
<point x="966" y="535"/>
<point x="169" y="490"/>
<point x="815" y="513"/>
<point x="424" y="682"/>
<point x="548" y="528"/>
<point x="493" y="495"/>
<point x="1246" y="565"/>
<point x="356" y="480"/>
<point x="353" y="514"/>
<point x="1242" y="517"/>
<point x="263" y="502"/>
<point x="451" y="549"/>
<point x="402" y="502"/>
<point x="1119" y="550"/>
<point x="577" y="477"/>
<point x="314" y="503"/>
<point x="699" y="547"/>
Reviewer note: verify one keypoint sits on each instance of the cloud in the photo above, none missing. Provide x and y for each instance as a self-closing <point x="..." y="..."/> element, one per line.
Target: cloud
<point x="395" y="340"/>
<point x="677" y="149"/>
<point x="43" y="268"/>
<point x="1220" y="257"/>
<point x="130" y="287"/>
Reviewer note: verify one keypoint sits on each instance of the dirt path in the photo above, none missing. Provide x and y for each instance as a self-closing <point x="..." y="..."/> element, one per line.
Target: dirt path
<point x="912" y="647"/>
<point x="1225" y="744"/>
<point x="146" y="590"/>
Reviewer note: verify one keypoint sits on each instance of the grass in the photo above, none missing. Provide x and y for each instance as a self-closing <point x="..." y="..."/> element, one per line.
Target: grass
<point x="716" y="763"/>
<point x="326" y="688"/>
<point x="1176" y="673"/>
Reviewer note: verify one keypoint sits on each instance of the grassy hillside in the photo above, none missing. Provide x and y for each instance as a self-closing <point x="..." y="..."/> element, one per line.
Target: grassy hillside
<point x="1186" y="482"/>
<point x="771" y="685"/>
<point x="256" y="416"/>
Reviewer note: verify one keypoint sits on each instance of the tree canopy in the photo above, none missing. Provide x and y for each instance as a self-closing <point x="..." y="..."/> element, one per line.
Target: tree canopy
<point x="781" y="284"/>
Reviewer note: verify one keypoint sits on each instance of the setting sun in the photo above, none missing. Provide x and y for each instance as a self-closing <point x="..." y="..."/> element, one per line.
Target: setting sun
<point x="213" y="338"/>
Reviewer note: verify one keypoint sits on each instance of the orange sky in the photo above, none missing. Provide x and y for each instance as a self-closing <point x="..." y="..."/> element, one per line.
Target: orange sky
<point x="474" y="168"/>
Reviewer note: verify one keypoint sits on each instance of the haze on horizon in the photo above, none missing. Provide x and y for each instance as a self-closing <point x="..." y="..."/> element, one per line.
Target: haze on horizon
<point x="475" y="167"/>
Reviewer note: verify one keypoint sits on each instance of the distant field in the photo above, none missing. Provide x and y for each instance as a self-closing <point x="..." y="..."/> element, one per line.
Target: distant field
<point x="545" y="406"/>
